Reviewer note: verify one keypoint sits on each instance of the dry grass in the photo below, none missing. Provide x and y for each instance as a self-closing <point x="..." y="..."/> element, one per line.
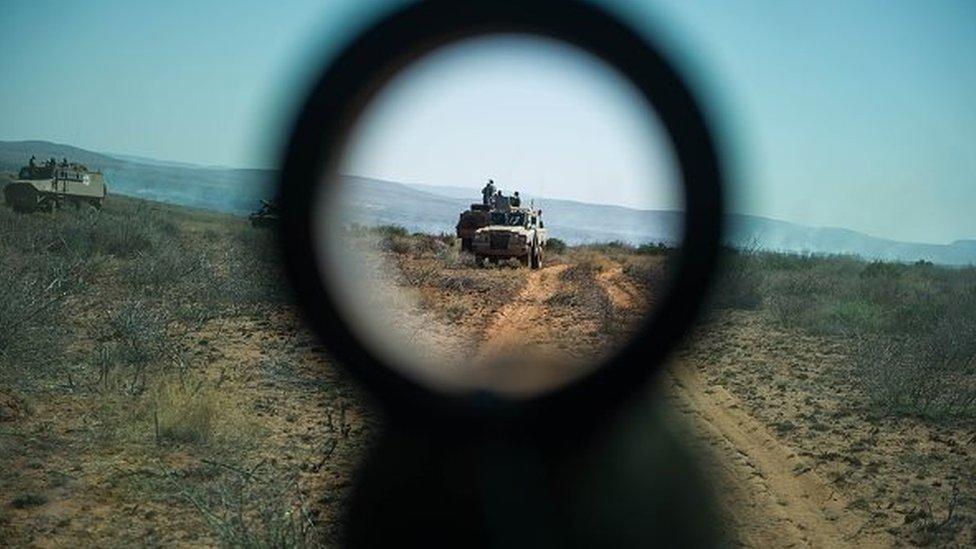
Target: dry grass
<point x="193" y="413"/>
<point x="912" y="326"/>
<point x="118" y="334"/>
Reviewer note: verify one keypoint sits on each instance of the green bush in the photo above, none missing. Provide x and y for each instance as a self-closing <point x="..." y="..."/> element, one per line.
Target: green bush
<point x="913" y="325"/>
<point x="555" y="246"/>
<point x="654" y="249"/>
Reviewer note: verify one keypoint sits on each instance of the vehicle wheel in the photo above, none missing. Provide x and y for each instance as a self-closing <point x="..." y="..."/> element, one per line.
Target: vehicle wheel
<point x="524" y="260"/>
<point x="536" y="257"/>
<point x="466" y="244"/>
<point x="479" y="261"/>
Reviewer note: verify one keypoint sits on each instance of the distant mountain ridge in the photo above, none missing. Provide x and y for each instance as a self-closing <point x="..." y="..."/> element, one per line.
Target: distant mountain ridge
<point x="429" y="208"/>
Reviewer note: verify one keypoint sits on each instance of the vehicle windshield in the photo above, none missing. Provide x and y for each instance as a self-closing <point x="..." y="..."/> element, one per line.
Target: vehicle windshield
<point x="513" y="219"/>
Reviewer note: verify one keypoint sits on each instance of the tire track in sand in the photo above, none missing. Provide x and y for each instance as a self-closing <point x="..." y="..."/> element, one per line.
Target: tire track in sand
<point x="526" y="348"/>
<point x="621" y="292"/>
<point x="770" y="494"/>
<point x="521" y="320"/>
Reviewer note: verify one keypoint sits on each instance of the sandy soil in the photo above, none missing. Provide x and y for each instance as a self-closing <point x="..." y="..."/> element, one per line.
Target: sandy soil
<point x="797" y="458"/>
<point x="106" y="484"/>
<point x="772" y="497"/>
<point x="879" y="480"/>
<point x="797" y="455"/>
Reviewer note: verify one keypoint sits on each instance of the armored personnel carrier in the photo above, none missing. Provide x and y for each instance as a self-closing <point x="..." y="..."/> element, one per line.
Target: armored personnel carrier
<point x="52" y="185"/>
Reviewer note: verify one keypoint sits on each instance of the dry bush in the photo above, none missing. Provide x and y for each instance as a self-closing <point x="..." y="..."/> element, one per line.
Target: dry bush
<point x="649" y="273"/>
<point x="125" y="230"/>
<point x="930" y="374"/>
<point x="238" y="273"/>
<point x="585" y="263"/>
<point x="738" y="284"/>
<point x="34" y="330"/>
<point x="399" y="244"/>
<point x="454" y="281"/>
<point x="913" y="326"/>
<point x="457" y="309"/>
<point x="254" y="507"/>
<point x="183" y="415"/>
<point x="170" y="265"/>
<point x="185" y="411"/>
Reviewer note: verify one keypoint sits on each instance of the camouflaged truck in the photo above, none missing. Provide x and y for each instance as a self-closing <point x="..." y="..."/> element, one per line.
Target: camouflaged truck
<point x="510" y="232"/>
<point x="51" y="185"/>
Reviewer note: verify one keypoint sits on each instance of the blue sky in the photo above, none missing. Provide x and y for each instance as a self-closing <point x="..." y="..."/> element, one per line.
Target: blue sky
<point x="853" y="114"/>
<point x="535" y="115"/>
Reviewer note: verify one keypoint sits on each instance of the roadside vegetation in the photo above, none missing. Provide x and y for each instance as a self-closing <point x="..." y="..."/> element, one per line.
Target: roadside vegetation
<point x="911" y="327"/>
<point x="133" y="342"/>
<point x="867" y="369"/>
<point x="155" y="379"/>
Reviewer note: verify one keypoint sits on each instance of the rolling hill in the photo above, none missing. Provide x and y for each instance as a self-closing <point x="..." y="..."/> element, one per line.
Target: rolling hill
<point x="431" y="208"/>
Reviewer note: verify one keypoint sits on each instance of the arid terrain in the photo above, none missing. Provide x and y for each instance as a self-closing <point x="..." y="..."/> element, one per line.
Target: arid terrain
<point x="157" y="386"/>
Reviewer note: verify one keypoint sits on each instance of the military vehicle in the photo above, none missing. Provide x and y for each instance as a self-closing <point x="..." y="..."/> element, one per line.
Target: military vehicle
<point x="511" y="232"/>
<point x="267" y="216"/>
<point x="470" y="221"/>
<point x="52" y="185"/>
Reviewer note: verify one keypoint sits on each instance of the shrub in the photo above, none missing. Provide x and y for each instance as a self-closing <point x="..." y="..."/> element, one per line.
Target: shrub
<point x="255" y="508"/>
<point x="555" y="246"/>
<point x="187" y="411"/>
<point x="654" y="249"/>
<point x="131" y="341"/>
<point x="917" y="376"/>
<point x="170" y="264"/>
<point x="391" y="231"/>
<point x="183" y="415"/>
<point x="27" y="500"/>
<point x="398" y="244"/>
<point x="912" y="326"/>
<point x="33" y="327"/>
<point x="738" y="284"/>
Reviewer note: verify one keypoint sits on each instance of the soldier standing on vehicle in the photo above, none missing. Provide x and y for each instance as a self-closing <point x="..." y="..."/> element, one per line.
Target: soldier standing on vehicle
<point x="498" y="201"/>
<point x="32" y="165"/>
<point x="488" y="192"/>
<point x="516" y="200"/>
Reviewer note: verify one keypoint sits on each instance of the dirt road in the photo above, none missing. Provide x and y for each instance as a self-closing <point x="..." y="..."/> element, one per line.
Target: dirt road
<point x="532" y="328"/>
<point x="771" y="495"/>
<point x="520" y="322"/>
